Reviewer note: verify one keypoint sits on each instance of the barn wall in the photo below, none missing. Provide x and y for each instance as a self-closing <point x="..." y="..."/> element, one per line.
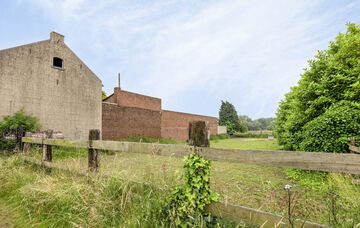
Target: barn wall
<point x="119" y="122"/>
<point x="129" y="99"/>
<point x="176" y="124"/>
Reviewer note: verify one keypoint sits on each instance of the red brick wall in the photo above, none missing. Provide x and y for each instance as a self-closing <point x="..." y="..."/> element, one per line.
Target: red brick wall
<point x="124" y="122"/>
<point x="176" y="124"/>
<point x="129" y="99"/>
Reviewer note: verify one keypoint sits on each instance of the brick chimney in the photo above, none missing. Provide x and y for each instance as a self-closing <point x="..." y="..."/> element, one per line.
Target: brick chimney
<point x="56" y="38"/>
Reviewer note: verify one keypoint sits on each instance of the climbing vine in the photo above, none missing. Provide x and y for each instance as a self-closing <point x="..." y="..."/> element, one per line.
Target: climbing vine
<point x="188" y="200"/>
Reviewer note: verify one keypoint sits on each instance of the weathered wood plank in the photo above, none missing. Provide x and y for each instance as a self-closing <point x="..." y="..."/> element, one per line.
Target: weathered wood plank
<point x="330" y="162"/>
<point x="253" y="216"/>
<point x="355" y="149"/>
<point x="58" y="142"/>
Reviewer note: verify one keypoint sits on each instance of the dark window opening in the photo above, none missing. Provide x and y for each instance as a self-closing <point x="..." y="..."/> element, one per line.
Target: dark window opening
<point x="58" y="62"/>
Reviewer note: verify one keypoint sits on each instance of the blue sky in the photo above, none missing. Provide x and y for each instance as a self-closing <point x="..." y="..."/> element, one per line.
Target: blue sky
<point x="191" y="54"/>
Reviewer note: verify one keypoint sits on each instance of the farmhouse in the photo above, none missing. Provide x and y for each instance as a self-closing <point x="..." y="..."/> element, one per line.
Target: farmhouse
<point x="49" y="81"/>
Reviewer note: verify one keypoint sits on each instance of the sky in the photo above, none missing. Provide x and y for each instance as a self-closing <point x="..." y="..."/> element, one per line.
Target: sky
<point x="191" y="54"/>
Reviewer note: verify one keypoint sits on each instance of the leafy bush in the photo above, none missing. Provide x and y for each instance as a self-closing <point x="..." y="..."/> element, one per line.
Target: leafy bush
<point x="27" y="122"/>
<point x="7" y="144"/>
<point x="189" y="199"/>
<point x="331" y="131"/>
<point x="325" y="90"/>
<point x="11" y="123"/>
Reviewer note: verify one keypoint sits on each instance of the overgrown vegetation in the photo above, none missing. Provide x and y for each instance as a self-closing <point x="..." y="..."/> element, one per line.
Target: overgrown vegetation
<point x="322" y="112"/>
<point x="340" y="192"/>
<point x="11" y="123"/>
<point x="188" y="200"/>
<point x="63" y="199"/>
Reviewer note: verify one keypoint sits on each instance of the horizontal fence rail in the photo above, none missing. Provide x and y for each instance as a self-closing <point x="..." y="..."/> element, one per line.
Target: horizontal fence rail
<point x="330" y="162"/>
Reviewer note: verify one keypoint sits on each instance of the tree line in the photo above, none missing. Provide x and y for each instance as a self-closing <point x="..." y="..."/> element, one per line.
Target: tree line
<point x="229" y="117"/>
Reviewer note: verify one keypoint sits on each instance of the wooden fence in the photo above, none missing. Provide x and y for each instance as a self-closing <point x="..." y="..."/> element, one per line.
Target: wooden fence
<point x="331" y="162"/>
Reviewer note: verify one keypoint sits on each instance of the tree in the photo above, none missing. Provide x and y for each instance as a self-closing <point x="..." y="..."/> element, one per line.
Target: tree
<point x="104" y="96"/>
<point x="319" y="114"/>
<point x="228" y="117"/>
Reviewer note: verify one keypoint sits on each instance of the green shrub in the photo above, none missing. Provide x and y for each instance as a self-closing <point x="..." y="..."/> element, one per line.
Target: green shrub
<point x="306" y="118"/>
<point x="331" y="131"/>
<point x="27" y="122"/>
<point x="11" y="123"/>
<point x="7" y="144"/>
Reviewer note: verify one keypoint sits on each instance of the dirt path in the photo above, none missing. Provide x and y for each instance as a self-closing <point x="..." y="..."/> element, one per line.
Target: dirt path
<point x="6" y="219"/>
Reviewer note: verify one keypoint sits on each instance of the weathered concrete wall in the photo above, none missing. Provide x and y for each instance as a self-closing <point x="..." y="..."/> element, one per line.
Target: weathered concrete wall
<point x="129" y="99"/>
<point x="176" y="124"/>
<point x="119" y="122"/>
<point x="64" y="99"/>
<point x="222" y="130"/>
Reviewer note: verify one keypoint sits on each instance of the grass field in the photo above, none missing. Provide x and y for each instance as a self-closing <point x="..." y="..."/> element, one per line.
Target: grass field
<point x="247" y="185"/>
<point x="246" y="143"/>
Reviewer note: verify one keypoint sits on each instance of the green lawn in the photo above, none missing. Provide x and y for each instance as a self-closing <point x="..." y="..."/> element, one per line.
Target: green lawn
<point x="246" y="143"/>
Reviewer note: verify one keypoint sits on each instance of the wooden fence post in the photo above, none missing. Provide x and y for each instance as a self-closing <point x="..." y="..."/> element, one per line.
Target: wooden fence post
<point x="19" y="134"/>
<point x="47" y="149"/>
<point x="199" y="134"/>
<point x="94" y="154"/>
<point x="352" y="143"/>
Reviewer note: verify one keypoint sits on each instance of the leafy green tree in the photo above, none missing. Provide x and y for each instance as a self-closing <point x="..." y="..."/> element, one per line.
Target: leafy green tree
<point x="104" y="96"/>
<point x="228" y="114"/>
<point x="27" y="122"/>
<point x="319" y="113"/>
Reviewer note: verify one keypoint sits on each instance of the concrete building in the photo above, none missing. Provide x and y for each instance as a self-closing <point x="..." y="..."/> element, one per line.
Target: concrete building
<point x="127" y="114"/>
<point x="50" y="82"/>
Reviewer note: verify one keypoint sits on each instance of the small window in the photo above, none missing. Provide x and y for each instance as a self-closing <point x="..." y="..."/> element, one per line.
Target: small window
<point x="58" y="62"/>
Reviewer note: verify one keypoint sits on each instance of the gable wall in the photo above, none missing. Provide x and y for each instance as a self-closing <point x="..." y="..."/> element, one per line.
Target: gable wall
<point x="66" y="100"/>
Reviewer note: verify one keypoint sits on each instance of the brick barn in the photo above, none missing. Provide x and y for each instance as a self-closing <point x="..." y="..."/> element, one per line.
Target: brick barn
<point x="126" y="114"/>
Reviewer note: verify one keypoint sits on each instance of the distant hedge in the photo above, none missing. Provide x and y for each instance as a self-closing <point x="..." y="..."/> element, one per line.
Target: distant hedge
<point x="252" y="135"/>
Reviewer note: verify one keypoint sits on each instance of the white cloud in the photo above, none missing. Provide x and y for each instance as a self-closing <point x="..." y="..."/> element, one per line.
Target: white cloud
<point x="247" y="52"/>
